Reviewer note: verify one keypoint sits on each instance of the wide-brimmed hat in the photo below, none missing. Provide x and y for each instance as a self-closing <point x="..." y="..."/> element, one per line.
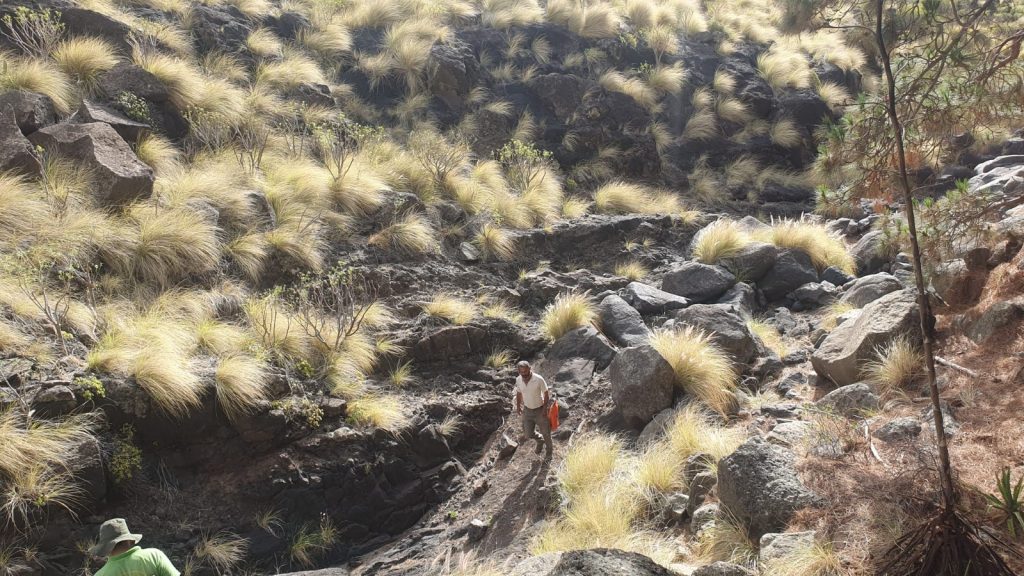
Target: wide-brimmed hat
<point x="112" y="533"/>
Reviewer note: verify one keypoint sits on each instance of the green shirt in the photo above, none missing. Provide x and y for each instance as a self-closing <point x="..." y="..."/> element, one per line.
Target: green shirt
<point x="139" y="562"/>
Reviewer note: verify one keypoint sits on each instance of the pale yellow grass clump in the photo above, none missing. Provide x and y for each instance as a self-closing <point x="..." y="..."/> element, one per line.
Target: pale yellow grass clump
<point x="264" y="43"/>
<point x="702" y="125"/>
<point x="222" y="551"/>
<point x="453" y="309"/>
<point x="833" y="311"/>
<point x="636" y="88"/>
<point x="769" y="335"/>
<point x="566" y="313"/>
<point x="410" y="232"/>
<point x="35" y="75"/>
<point x="589" y="20"/>
<point x="693" y="430"/>
<point x="898" y="363"/>
<point x="809" y="560"/>
<point x="495" y="243"/>
<point x="381" y="411"/>
<point x="783" y="68"/>
<point x="702" y="368"/>
<point x="574" y="208"/>
<point x="502" y="14"/>
<point x="824" y="249"/>
<point x="169" y="380"/>
<point x="590" y="463"/>
<point x="658" y="470"/>
<point x="785" y="133"/>
<point x="183" y="80"/>
<point x="620" y="197"/>
<point x="632" y="270"/>
<point x="84" y="58"/>
<point x="241" y="384"/>
<point x="158" y="152"/>
<point x="726" y="540"/>
<point x="171" y="245"/>
<point x="722" y="239"/>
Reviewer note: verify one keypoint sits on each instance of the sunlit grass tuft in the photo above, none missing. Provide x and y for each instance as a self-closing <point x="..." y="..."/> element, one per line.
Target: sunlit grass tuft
<point x="410" y="232"/>
<point x="84" y="58"/>
<point x="241" y="385"/>
<point x="719" y="240"/>
<point x="727" y="540"/>
<point x="380" y="411"/>
<point x="568" y="312"/>
<point x="824" y="248"/>
<point x="702" y="369"/>
<point x="806" y="560"/>
<point x="453" y="309"/>
<point x="770" y="336"/>
<point x="495" y="243"/>
<point x="694" y="430"/>
<point x="897" y="364"/>
<point x="589" y="463"/>
<point x="35" y="75"/>
<point x="632" y="270"/>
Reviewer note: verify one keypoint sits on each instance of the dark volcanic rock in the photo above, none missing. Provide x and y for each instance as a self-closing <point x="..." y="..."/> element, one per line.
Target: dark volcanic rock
<point x="759" y="485"/>
<point x="16" y="153"/>
<point x="452" y="72"/>
<point x="133" y="79"/>
<point x="127" y="128"/>
<point x="220" y="27"/>
<point x="621" y="322"/>
<point x="31" y="111"/>
<point x="869" y="254"/>
<point x="697" y="282"/>
<point x="792" y="269"/>
<point x="850" y="400"/>
<point x="650" y="300"/>
<point x="726" y="325"/>
<point x="120" y="176"/>
<point x="722" y="569"/>
<point x="642" y="383"/>
<point x="583" y="342"/>
<point x="752" y="262"/>
<point x="593" y="562"/>
<point x="899" y="430"/>
<point x="560" y="93"/>
<point x="869" y="288"/>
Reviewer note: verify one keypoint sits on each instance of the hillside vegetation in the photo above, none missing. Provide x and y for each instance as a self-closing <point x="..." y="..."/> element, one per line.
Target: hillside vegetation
<point x="262" y="261"/>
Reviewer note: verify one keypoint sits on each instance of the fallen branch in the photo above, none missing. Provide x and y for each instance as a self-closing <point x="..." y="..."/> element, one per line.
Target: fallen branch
<point x="955" y="366"/>
<point x="871" y="444"/>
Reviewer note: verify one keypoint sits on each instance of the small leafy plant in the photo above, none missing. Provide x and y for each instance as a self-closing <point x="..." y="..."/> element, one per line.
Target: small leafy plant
<point x="90" y="388"/>
<point x="133" y="107"/>
<point x="127" y="457"/>
<point x="1008" y="502"/>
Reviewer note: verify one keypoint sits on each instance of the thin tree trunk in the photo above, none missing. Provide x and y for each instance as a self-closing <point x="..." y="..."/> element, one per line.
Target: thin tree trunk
<point x="945" y="470"/>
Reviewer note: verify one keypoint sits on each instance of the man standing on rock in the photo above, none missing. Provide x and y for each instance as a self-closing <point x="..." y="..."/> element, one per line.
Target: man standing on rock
<point x="532" y="392"/>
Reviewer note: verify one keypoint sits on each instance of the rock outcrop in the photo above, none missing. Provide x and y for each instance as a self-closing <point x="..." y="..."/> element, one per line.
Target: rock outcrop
<point x="642" y="383"/>
<point x="758" y="484"/>
<point x="120" y="176"/>
<point x="841" y="356"/>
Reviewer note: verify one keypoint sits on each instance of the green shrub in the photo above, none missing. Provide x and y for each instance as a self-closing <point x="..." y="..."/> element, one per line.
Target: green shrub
<point x="127" y="457"/>
<point x="90" y="388"/>
<point x="133" y="107"/>
<point x="300" y="410"/>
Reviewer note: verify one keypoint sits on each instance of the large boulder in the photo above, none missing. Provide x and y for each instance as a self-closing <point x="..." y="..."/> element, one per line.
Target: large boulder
<point x="752" y="262"/>
<point x="995" y="318"/>
<point x="452" y="72"/>
<point x="697" y="282"/>
<point x="120" y="176"/>
<point x="621" y="322"/>
<point x="842" y="354"/>
<point x="222" y="27"/>
<point x="649" y="300"/>
<point x="32" y="111"/>
<point x="128" y="129"/>
<point x="133" y="79"/>
<point x="727" y="326"/>
<point x="758" y="484"/>
<point x="776" y="547"/>
<point x="792" y="269"/>
<point x="560" y="93"/>
<point x="958" y="284"/>
<point x="869" y="253"/>
<point x="16" y="152"/>
<point x="593" y="562"/>
<point x="642" y="383"/>
<point x="869" y="288"/>
<point x="850" y="400"/>
<point x="583" y="342"/>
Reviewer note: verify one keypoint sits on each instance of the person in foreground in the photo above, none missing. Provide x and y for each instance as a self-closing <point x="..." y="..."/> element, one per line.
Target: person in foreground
<point x="532" y="399"/>
<point x="124" y="558"/>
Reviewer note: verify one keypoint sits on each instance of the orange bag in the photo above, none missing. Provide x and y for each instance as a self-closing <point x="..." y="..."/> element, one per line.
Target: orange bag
<point x="553" y="416"/>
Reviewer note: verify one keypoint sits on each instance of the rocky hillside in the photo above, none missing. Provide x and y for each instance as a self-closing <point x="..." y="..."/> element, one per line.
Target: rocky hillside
<point x="267" y="266"/>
